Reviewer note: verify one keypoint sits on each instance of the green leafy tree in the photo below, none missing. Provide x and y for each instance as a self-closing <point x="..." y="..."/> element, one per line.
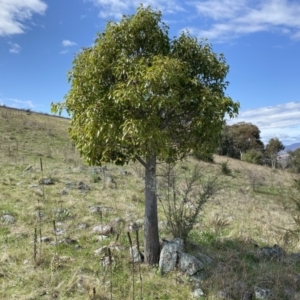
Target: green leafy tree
<point x="239" y="138"/>
<point x="273" y="147"/>
<point x="137" y="95"/>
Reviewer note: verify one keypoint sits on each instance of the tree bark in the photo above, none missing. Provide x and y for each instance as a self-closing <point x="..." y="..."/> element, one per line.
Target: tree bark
<point x="151" y="239"/>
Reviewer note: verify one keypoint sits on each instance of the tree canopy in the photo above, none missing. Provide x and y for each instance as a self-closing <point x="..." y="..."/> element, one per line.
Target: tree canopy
<point x="272" y="148"/>
<point x="239" y="138"/>
<point x="136" y="94"/>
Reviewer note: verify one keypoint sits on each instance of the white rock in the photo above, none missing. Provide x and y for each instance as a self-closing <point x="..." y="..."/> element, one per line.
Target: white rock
<point x="197" y="293"/>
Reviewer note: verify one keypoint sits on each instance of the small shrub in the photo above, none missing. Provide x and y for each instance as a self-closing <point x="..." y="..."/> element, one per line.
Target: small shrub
<point x="255" y="179"/>
<point x="291" y="203"/>
<point x="62" y="214"/>
<point x="296" y="184"/>
<point x="225" y="168"/>
<point x="253" y="156"/>
<point x="182" y="198"/>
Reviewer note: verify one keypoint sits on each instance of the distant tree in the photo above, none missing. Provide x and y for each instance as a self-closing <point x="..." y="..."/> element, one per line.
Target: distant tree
<point x="284" y="161"/>
<point x="253" y="156"/>
<point x="205" y="151"/>
<point x="239" y="138"/>
<point x="226" y="146"/>
<point x="294" y="160"/>
<point x="272" y="148"/>
<point x="136" y="95"/>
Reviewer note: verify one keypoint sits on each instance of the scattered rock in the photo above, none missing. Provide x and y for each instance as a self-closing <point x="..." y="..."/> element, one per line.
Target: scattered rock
<point x="104" y="250"/>
<point x="100" y="238"/>
<point x="169" y="254"/>
<point x="109" y="181"/>
<point x="34" y="186"/>
<point x="103" y="229"/>
<point x="136" y="255"/>
<point x="8" y="219"/>
<point x="107" y="260"/>
<point x="123" y="172"/>
<point x="114" y="246"/>
<point x="46" y="239"/>
<point x="106" y="208"/>
<point x="82" y="186"/>
<point x="172" y="255"/>
<point x="43" y="293"/>
<point x="197" y="293"/>
<point x="261" y="293"/>
<point x="101" y="250"/>
<point x="68" y="241"/>
<point x="98" y="208"/>
<point x="95" y="209"/>
<point x="83" y="225"/>
<point x="271" y="252"/>
<point x="46" y="181"/>
<point x="97" y="170"/>
<point x="223" y="295"/>
<point x="197" y="252"/>
<point x="293" y="258"/>
<point x="189" y="264"/>
<point x="59" y="231"/>
<point x="64" y="191"/>
<point x="133" y="226"/>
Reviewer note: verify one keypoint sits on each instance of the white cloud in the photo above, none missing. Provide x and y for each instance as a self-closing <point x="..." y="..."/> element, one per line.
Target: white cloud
<point x="15" y="13"/>
<point x="64" y="52"/>
<point x="68" y="43"/>
<point x="116" y="8"/>
<point x="282" y="121"/>
<point x="14" y="48"/>
<point x="17" y="103"/>
<point x="232" y="18"/>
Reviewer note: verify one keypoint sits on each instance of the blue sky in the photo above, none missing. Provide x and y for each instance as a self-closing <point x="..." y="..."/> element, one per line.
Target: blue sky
<point x="259" y="38"/>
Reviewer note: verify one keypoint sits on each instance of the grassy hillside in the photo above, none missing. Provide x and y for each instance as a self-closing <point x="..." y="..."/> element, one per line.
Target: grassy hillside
<point x="250" y="211"/>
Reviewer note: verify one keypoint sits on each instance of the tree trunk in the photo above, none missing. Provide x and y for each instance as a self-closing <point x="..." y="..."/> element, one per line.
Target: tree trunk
<point x="273" y="161"/>
<point x="151" y="239"/>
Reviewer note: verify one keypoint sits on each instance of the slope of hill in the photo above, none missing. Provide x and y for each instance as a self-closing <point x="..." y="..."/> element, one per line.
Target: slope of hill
<point x="51" y="203"/>
<point x="292" y="147"/>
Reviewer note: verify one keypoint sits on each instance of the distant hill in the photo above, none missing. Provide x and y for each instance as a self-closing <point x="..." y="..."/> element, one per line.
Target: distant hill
<point x="292" y="147"/>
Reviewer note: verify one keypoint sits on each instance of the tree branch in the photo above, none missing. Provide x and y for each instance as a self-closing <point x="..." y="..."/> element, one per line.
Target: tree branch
<point x="141" y="161"/>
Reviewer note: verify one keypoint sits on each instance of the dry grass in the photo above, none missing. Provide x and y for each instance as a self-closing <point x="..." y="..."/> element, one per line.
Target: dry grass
<point x="248" y="211"/>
